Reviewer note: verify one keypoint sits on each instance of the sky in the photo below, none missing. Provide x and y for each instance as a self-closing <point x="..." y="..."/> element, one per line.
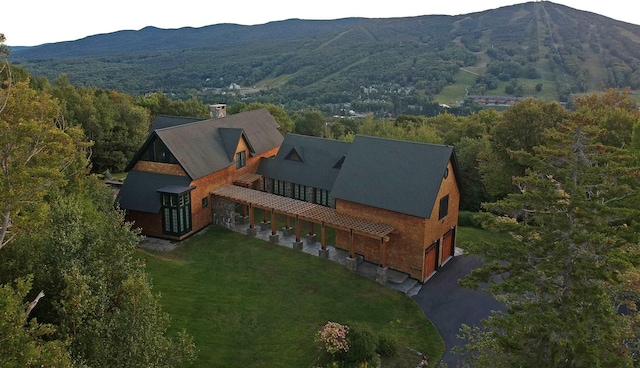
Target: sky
<point x="35" y="22"/>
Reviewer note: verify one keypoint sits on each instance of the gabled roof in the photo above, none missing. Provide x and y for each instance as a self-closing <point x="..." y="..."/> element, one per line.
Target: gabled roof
<point x="316" y="168"/>
<point x="399" y="176"/>
<point x="140" y="192"/>
<point x="202" y="147"/>
<point x="166" y="121"/>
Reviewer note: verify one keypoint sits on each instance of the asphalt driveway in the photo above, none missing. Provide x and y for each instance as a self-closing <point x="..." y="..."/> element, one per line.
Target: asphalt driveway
<point x="448" y="305"/>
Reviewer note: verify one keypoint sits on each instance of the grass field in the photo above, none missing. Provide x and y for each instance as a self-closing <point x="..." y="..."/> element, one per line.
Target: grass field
<point x="249" y="303"/>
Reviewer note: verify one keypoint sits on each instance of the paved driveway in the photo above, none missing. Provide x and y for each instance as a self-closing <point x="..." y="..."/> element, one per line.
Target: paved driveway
<point x="448" y="305"/>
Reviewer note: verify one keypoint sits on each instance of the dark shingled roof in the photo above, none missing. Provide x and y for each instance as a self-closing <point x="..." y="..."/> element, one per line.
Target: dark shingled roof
<point x="399" y="176"/>
<point x="140" y="190"/>
<point x="202" y="147"/>
<point x="319" y="157"/>
<point x="166" y="121"/>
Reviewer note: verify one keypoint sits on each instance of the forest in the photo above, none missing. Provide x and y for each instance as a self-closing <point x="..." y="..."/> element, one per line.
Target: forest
<point x="380" y="66"/>
<point x="562" y="184"/>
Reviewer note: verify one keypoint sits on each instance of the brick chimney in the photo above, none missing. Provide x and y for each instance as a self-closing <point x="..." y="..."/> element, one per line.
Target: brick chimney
<point x="218" y="111"/>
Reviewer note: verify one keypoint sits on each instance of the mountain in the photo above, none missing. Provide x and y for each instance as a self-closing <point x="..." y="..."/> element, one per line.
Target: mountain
<point x="399" y="65"/>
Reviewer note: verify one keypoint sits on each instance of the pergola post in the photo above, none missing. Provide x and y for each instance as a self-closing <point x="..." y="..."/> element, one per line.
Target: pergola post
<point x="297" y="244"/>
<point x="352" y="262"/>
<point x="382" y="273"/>
<point x="251" y="230"/>
<point x="323" y="252"/>
<point x="311" y="237"/>
<point x="273" y="238"/>
<point x="286" y="230"/>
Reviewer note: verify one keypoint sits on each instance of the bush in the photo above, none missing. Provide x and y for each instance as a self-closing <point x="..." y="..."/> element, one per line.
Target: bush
<point x="469" y="219"/>
<point x="362" y="343"/>
<point x="387" y="345"/>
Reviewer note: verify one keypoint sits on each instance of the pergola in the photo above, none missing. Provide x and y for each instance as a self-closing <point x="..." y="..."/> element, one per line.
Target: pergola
<point x="305" y="211"/>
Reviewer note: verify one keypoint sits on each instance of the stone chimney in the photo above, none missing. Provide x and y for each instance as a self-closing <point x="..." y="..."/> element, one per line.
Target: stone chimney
<point x="218" y="111"/>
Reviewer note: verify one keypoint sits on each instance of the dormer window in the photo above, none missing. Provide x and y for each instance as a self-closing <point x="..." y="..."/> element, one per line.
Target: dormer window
<point x="338" y="164"/>
<point x="293" y="155"/>
<point x="241" y="159"/>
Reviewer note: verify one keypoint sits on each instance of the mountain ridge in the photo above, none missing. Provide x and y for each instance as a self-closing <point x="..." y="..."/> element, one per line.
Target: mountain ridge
<point x="539" y="49"/>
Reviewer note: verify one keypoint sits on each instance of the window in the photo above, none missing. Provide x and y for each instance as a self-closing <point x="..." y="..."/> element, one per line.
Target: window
<point x="321" y="197"/>
<point x="158" y="152"/>
<point x="241" y="159"/>
<point x="205" y="202"/>
<point x="278" y="187"/>
<point x="293" y="156"/>
<point x="444" y="207"/>
<point x="300" y="192"/>
<point x="176" y="213"/>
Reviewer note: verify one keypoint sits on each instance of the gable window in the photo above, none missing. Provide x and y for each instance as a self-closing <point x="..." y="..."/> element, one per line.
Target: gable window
<point x="241" y="159"/>
<point x="176" y="213"/>
<point x="293" y="156"/>
<point x="444" y="207"/>
<point x="300" y="192"/>
<point x="205" y="202"/>
<point x="157" y="151"/>
<point x="321" y="197"/>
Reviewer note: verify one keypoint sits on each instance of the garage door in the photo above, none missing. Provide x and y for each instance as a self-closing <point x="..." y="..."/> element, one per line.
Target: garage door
<point x="447" y="245"/>
<point x="430" y="260"/>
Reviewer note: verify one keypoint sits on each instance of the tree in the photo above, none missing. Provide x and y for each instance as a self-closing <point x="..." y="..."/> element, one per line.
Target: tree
<point x="520" y="127"/>
<point x="311" y="123"/>
<point x="37" y="151"/>
<point x="24" y="342"/>
<point x="574" y="226"/>
<point x="285" y="123"/>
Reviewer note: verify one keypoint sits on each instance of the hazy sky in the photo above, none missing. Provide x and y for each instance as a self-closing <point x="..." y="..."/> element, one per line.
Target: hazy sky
<point x="34" y="22"/>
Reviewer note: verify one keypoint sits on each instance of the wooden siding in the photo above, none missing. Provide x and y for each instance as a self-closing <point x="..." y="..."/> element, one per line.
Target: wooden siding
<point x="406" y="250"/>
<point x="436" y="229"/>
<point x="160" y="168"/>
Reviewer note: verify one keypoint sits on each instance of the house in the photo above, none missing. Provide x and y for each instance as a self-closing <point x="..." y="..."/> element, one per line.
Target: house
<point x="391" y="202"/>
<point x="166" y="192"/>
<point x="411" y="187"/>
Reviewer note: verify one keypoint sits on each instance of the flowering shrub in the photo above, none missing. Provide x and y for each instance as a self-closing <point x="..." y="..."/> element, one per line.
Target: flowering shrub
<point x="334" y="337"/>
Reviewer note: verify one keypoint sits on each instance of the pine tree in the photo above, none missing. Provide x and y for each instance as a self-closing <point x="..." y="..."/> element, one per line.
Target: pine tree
<point x="574" y="224"/>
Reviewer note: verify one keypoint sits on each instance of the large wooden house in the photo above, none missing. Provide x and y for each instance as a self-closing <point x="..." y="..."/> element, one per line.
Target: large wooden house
<point x="391" y="202"/>
<point x="166" y="192"/>
<point x="410" y="187"/>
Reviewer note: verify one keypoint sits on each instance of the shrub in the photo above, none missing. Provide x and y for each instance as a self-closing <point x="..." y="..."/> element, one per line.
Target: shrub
<point x="468" y="219"/>
<point x="333" y="337"/>
<point x="362" y="343"/>
<point x="387" y="345"/>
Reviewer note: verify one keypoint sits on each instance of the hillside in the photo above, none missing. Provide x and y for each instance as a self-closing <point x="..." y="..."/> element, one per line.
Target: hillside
<point x="399" y="65"/>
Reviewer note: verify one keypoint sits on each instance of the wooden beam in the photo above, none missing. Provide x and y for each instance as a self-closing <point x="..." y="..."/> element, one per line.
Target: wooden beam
<point x="274" y="231"/>
<point x="252" y="220"/>
<point x="351" y="243"/>
<point x="297" y="225"/>
<point x="383" y="253"/>
<point x="323" y="232"/>
<point x="311" y="228"/>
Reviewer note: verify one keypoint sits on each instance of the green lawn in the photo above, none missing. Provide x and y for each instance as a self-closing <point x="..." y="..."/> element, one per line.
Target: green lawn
<point x="248" y="303"/>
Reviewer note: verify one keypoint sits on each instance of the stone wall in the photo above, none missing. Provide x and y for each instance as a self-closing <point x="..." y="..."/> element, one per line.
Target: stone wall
<point x="224" y="213"/>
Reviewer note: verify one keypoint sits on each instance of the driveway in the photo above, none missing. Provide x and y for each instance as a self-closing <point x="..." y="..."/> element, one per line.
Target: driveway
<point x="448" y="305"/>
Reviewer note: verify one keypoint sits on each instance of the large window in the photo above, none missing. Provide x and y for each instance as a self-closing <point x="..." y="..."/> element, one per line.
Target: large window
<point x="321" y="197"/>
<point x="176" y="213"/>
<point x="278" y="187"/>
<point x="444" y="207"/>
<point x="158" y="152"/>
<point x="300" y="192"/>
<point x="241" y="159"/>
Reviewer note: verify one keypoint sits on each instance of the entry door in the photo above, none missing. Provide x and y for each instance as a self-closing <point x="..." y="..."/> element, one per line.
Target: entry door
<point x="447" y="245"/>
<point x="430" y="260"/>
